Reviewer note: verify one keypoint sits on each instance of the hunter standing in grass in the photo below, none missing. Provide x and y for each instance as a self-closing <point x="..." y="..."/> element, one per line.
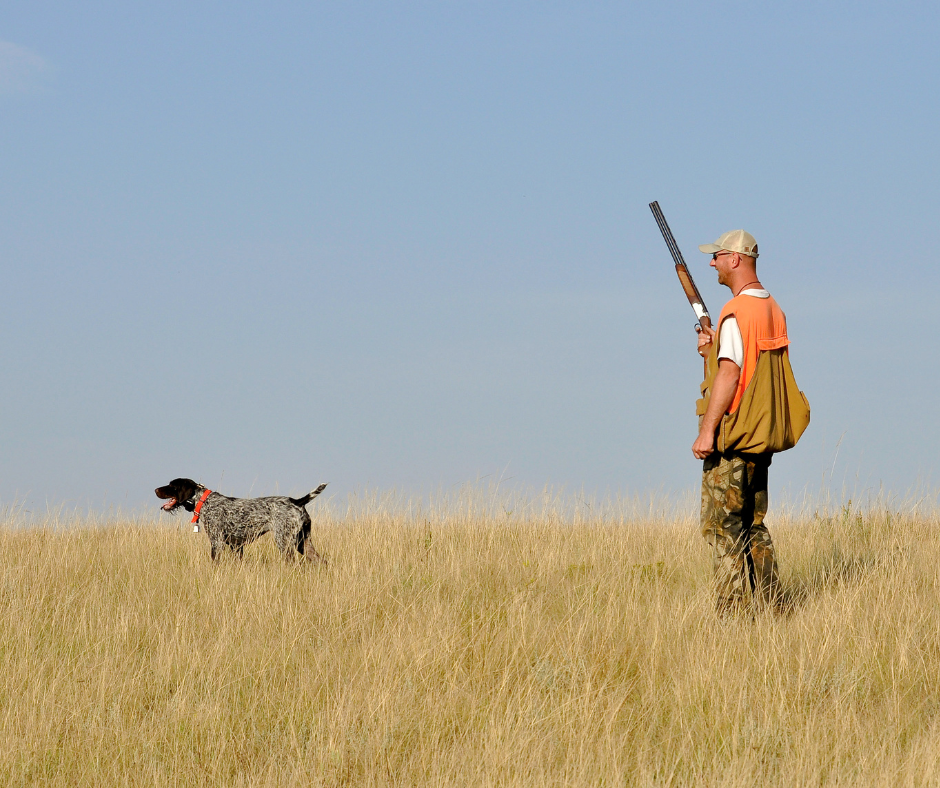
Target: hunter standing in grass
<point x="750" y="408"/>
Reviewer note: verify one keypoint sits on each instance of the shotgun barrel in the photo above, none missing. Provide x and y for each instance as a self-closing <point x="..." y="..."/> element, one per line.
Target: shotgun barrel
<point x="682" y="270"/>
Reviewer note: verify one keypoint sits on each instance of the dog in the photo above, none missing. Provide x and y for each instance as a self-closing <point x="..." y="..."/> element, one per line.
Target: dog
<point x="235" y="522"/>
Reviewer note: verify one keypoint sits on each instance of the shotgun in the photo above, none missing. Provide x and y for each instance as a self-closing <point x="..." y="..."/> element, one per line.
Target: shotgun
<point x="685" y="278"/>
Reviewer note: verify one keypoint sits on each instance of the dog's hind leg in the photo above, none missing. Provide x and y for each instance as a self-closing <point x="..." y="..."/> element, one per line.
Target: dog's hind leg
<point x="306" y="549"/>
<point x="312" y="555"/>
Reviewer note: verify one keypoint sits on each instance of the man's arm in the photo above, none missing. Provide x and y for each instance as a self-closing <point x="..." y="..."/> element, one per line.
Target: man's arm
<point x="722" y="395"/>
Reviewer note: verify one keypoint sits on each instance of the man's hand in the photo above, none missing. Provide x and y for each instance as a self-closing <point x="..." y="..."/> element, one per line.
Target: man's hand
<point x="705" y="338"/>
<point x="704" y="445"/>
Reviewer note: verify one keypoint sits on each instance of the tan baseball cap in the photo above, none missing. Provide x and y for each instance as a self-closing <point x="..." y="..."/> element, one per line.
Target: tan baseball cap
<point x="734" y="241"/>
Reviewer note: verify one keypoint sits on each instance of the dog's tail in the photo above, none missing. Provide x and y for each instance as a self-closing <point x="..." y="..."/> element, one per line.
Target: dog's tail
<point x="309" y="496"/>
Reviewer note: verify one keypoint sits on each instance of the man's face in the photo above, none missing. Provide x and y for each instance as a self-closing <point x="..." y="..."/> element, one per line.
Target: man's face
<point x="721" y="262"/>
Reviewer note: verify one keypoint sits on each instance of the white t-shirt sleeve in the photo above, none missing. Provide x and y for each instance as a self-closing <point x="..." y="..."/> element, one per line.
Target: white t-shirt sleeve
<point x="730" y="341"/>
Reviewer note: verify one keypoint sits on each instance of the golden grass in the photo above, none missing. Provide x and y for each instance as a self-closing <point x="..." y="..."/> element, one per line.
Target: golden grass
<point x="467" y="645"/>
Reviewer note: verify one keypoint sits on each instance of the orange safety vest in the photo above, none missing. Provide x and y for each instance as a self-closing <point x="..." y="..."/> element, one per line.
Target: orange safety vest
<point x="773" y="411"/>
<point x="763" y="327"/>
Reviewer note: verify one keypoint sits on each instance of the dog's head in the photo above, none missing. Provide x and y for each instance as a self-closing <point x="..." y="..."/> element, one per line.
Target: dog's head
<point x="180" y="492"/>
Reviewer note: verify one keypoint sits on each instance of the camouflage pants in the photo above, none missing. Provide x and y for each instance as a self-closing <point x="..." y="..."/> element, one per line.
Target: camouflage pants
<point x="734" y="504"/>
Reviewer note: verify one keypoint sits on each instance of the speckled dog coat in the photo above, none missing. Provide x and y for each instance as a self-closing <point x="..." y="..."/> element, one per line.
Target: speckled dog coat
<point x="235" y="522"/>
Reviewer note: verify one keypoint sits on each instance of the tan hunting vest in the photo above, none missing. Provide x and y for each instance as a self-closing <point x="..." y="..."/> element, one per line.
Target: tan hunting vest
<point x="769" y="412"/>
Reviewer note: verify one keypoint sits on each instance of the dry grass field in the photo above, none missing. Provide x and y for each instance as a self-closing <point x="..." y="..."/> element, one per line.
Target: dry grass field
<point x="468" y="645"/>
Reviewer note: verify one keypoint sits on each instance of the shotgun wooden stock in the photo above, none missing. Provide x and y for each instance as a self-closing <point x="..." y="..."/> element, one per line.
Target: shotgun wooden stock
<point x="682" y="270"/>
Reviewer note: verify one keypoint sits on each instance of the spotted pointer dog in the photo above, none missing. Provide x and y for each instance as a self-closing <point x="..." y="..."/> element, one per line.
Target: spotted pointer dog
<point x="234" y="522"/>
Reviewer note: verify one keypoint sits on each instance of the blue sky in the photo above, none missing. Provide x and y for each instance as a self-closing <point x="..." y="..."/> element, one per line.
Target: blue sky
<point x="407" y="245"/>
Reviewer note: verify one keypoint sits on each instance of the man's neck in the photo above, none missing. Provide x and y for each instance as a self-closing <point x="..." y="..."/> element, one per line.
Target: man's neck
<point x="754" y="284"/>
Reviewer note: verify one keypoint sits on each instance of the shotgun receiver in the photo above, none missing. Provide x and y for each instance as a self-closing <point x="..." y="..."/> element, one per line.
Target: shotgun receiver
<point x="685" y="278"/>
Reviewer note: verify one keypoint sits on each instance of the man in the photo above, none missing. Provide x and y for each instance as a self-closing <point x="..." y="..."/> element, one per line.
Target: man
<point x="734" y="482"/>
